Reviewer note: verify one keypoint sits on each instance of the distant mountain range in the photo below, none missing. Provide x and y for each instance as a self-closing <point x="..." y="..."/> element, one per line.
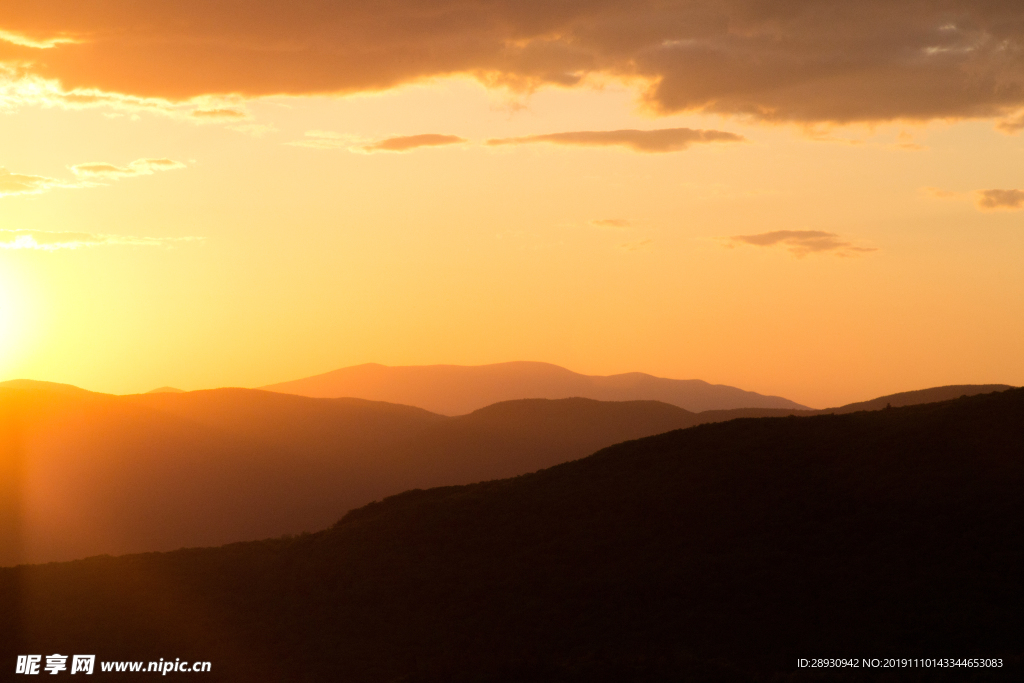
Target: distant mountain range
<point x="726" y="552"/>
<point x="87" y="473"/>
<point x="461" y="389"/>
<point x="96" y="473"/>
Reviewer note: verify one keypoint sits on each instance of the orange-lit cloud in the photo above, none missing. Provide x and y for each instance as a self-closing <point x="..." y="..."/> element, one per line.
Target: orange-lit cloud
<point x="19" y="183"/>
<point x="663" y="140"/>
<point x="19" y="89"/>
<point x="52" y="241"/>
<point x="800" y="60"/>
<point x="325" y="139"/>
<point x="135" y="168"/>
<point x="1001" y="199"/>
<point x="407" y="142"/>
<point x="1012" y="125"/>
<point x="39" y="44"/>
<point x="800" y="243"/>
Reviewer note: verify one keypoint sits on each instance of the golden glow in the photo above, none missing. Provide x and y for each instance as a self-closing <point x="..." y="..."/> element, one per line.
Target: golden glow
<point x="12" y="321"/>
<point x="378" y="210"/>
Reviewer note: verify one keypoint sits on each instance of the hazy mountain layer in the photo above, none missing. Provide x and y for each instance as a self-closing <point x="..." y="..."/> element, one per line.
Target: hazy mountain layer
<point x="87" y="473"/>
<point x="460" y="389"/>
<point x="719" y="553"/>
<point x="92" y="473"/>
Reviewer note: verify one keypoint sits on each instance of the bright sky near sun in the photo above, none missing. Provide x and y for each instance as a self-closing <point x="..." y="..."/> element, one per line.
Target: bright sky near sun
<point x="824" y="202"/>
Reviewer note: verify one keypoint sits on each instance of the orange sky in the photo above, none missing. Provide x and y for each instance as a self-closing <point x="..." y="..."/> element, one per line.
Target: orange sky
<point x="819" y="200"/>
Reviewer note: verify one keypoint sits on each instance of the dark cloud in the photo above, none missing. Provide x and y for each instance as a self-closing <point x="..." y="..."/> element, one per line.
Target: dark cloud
<point x="802" y="242"/>
<point x="1001" y="199"/>
<point x="786" y="60"/>
<point x="407" y="142"/>
<point x="663" y="140"/>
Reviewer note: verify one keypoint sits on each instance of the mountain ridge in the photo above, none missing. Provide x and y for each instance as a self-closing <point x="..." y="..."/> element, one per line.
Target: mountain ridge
<point x="460" y="389"/>
<point x="101" y="473"/>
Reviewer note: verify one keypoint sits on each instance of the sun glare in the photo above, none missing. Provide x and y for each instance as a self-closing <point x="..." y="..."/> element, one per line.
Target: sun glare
<point x="6" y="321"/>
<point x="11" y="322"/>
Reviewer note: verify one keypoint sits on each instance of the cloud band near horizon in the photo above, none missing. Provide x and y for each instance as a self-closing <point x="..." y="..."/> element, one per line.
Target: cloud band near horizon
<point x="662" y="140"/>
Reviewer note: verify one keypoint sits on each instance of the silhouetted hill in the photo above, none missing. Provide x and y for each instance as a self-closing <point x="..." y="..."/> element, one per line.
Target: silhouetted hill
<point x="460" y="389"/>
<point x="93" y="473"/>
<point x="912" y="398"/>
<point x="724" y="552"/>
<point x="165" y="390"/>
<point x="96" y="473"/>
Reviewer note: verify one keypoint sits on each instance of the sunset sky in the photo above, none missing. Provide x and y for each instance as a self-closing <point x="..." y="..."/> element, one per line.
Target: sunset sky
<point x="821" y="200"/>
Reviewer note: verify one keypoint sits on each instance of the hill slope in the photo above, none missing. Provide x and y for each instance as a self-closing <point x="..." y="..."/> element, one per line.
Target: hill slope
<point x="723" y="552"/>
<point x="913" y="398"/>
<point x="460" y="389"/>
<point x="89" y="473"/>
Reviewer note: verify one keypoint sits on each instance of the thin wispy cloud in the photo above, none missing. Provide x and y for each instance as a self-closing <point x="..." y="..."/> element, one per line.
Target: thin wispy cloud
<point x="1012" y="124"/>
<point x="801" y="243"/>
<point x="20" y="183"/>
<point x="218" y="114"/>
<point x="407" y="142"/>
<point x="325" y="139"/>
<point x="1001" y="199"/>
<point x="52" y="241"/>
<point x="781" y="61"/>
<point x="138" y="167"/>
<point x="36" y="43"/>
<point x="86" y="175"/>
<point x="651" y="141"/>
<point x="19" y="89"/>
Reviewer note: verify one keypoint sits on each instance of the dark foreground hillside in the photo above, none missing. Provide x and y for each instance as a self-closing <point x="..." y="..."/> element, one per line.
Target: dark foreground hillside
<point x="724" y="552"/>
